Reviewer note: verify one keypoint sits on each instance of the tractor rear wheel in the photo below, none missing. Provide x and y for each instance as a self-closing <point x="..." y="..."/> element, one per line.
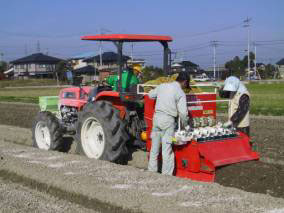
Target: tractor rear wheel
<point x="47" y="132"/>
<point x="101" y="134"/>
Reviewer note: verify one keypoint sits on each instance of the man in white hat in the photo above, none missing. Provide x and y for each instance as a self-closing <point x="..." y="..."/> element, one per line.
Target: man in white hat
<point x="239" y="105"/>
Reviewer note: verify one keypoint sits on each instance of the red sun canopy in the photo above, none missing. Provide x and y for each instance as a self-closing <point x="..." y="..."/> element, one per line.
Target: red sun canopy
<point x="127" y="38"/>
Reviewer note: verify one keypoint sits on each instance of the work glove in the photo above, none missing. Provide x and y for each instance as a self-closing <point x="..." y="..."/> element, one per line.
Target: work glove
<point x="228" y="124"/>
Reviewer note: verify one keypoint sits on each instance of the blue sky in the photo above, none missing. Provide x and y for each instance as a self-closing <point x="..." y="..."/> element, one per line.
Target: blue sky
<point x="58" y="25"/>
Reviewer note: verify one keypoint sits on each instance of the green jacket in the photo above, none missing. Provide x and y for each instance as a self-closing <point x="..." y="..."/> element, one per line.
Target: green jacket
<point x="128" y="78"/>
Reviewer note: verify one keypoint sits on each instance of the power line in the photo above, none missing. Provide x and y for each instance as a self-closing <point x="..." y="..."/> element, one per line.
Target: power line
<point x="271" y="41"/>
<point x="36" y="35"/>
<point x="272" y="48"/>
<point x="212" y="31"/>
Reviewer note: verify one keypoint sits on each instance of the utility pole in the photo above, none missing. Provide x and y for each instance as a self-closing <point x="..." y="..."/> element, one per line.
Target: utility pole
<point x="182" y="56"/>
<point x="101" y="57"/>
<point x="214" y="44"/>
<point x="26" y="50"/>
<point x="102" y="31"/>
<point x="38" y="47"/>
<point x="131" y="56"/>
<point x="255" y="71"/>
<point x="247" y="24"/>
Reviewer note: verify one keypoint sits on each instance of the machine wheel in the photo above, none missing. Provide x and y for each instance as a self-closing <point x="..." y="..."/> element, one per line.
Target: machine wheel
<point x="47" y="132"/>
<point x="101" y="134"/>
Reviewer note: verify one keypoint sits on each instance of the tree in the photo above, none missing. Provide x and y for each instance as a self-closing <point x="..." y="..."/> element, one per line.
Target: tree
<point x="251" y="57"/>
<point x="3" y="66"/>
<point x="237" y="67"/>
<point x="151" y="72"/>
<point x="60" y="71"/>
<point x="268" y="72"/>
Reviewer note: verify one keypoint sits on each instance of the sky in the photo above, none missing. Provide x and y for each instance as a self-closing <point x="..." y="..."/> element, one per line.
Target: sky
<point x="58" y="24"/>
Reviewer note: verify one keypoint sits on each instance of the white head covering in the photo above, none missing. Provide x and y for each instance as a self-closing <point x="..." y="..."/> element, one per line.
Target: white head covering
<point x="233" y="84"/>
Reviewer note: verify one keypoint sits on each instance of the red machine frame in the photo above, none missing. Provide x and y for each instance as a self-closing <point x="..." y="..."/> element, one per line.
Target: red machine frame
<point x="195" y="160"/>
<point x="199" y="160"/>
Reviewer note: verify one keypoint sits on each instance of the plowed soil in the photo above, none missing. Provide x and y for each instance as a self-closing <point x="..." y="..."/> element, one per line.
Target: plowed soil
<point x="265" y="176"/>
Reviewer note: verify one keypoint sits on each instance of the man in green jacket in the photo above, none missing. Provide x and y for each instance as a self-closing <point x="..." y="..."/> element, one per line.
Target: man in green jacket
<point x="128" y="79"/>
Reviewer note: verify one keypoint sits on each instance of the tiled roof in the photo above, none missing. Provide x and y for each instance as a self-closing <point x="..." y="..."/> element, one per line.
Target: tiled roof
<point x="106" y="57"/>
<point x="281" y="62"/>
<point x="37" y="58"/>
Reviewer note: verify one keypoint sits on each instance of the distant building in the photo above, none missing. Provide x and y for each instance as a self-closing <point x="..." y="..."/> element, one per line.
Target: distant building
<point x="94" y="71"/>
<point x="280" y="66"/>
<point x="77" y="61"/>
<point x="136" y="61"/>
<point x="220" y="72"/>
<point x="88" y="65"/>
<point x="36" y="65"/>
<point x="177" y="67"/>
<point x="186" y="66"/>
<point x="109" y="61"/>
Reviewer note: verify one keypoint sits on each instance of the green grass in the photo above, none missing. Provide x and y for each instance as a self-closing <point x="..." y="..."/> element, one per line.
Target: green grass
<point x="26" y="95"/>
<point x="28" y="82"/>
<point x="19" y="99"/>
<point x="266" y="99"/>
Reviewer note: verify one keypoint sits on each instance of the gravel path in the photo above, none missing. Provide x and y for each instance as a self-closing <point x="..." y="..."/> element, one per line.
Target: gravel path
<point x="107" y="187"/>
<point x="15" y="197"/>
<point x="266" y="176"/>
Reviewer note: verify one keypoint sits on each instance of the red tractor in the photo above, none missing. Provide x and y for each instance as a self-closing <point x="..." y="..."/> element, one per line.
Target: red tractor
<point x="106" y="126"/>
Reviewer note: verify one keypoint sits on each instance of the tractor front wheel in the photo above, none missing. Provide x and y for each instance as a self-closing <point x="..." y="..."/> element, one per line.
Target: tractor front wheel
<point x="47" y="132"/>
<point x="101" y="134"/>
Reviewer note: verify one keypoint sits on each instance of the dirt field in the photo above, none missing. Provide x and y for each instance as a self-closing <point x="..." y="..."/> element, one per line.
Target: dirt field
<point x="265" y="176"/>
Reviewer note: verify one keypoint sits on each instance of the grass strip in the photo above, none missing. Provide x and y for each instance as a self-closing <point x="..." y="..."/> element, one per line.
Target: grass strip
<point x="28" y="82"/>
<point x="24" y="99"/>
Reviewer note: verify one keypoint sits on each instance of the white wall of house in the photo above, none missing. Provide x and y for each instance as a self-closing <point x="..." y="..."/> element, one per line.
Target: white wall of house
<point x="32" y="69"/>
<point x="109" y="65"/>
<point x="281" y="70"/>
<point x="78" y="63"/>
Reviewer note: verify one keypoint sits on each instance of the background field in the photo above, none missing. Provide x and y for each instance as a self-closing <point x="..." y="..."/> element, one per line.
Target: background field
<point x="266" y="99"/>
<point x="28" y="82"/>
<point x="26" y="95"/>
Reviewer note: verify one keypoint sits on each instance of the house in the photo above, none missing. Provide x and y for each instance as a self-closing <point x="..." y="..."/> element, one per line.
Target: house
<point x="280" y="66"/>
<point x="77" y="61"/>
<point x="220" y="72"/>
<point x="94" y="71"/>
<point x="109" y="61"/>
<point x="176" y="67"/>
<point x="135" y="61"/>
<point x="36" y="65"/>
<point x="91" y="69"/>
<point x="191" y="68"/>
